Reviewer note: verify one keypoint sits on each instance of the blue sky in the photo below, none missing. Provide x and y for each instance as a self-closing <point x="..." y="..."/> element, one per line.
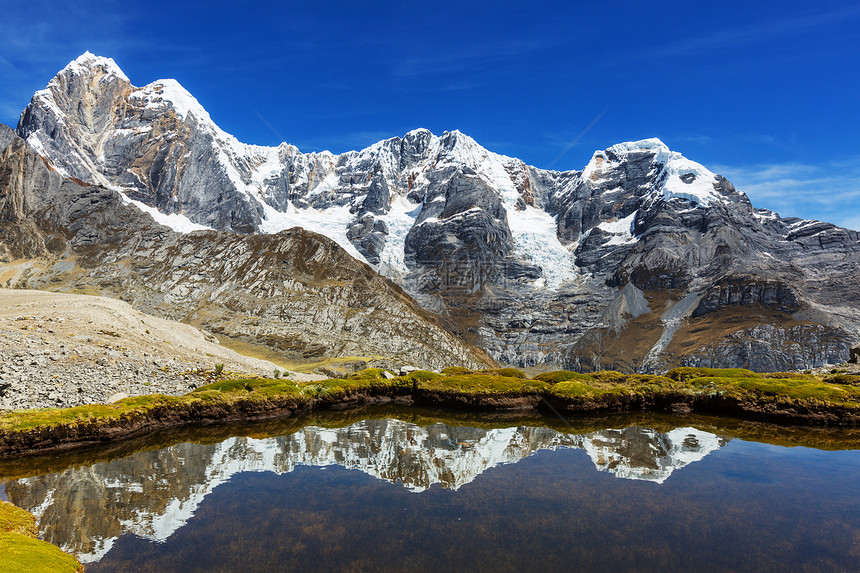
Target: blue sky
<point x="765" y="93"/>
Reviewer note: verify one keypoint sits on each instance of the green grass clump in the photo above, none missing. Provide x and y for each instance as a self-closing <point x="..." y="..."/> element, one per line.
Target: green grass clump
<point x="16" y="520"/>
<point x="505" y="372"/>
<point x="575" y="389"/>
<point x="421" y="376"/>
<point x="686" y="373"/>
<point x="23" y="420"/>
<point x="453" y="370"/>
<point x="483" y="384"/>
<point x="22" y="552"/>
<point x="846" y="379"/>
<point x="267" y="387"/>
<point x="595" y="389"/>
<point x="561" y="376"/>
<point x="783" y="389"/>
<point x="609" y="377"/>
<point x="343" y="387"/>
<point x="805" y="375"/>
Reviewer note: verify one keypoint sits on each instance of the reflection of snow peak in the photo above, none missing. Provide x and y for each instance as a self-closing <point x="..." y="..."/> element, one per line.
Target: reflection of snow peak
<point x="416" y="457"/>
<point x="639" y="453"/>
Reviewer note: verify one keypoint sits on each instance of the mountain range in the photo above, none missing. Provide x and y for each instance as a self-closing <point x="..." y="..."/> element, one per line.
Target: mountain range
<point x="425" y="246"/>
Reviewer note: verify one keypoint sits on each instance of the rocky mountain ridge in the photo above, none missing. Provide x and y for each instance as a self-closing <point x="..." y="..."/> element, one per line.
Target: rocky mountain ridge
<point x="641" y="261"/>
<point x="136" y="500"/>
<point x="295" y="291"/>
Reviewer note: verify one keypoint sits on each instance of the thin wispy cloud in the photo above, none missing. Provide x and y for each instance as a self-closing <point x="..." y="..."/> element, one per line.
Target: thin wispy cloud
<point x="470" y="58"/>
<point x="577" y="138"/>
<point x="829" y="191"/>
<point x="762" y="31"/>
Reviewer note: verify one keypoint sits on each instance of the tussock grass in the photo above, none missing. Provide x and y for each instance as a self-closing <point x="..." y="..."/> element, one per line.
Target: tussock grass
<point x="484" y="382"/>
<point x="686" y="373"/>
<point x="22" y="552"/>
<point x="561" y="376"/>
<point x="800" y="390"/>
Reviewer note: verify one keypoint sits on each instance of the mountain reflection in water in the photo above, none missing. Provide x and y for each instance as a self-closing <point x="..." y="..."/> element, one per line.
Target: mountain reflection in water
<point x="152" y="494"/>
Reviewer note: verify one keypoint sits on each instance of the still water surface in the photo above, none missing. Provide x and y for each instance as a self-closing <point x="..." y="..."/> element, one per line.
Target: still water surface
<point x="387" y="494"/>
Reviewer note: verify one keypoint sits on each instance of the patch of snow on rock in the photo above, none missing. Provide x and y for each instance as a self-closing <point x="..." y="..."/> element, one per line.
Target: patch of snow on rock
<point x="400" y="220"/>
<point x="332" y="223"/>
<point x="176" y="221"/>
<point x="533" y="230"/>
<point x="621" y="230"/>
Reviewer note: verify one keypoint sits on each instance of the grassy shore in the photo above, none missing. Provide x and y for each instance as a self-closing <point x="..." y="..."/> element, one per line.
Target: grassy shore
<point x="22" y="552"/>
<point x="832" y="400"/>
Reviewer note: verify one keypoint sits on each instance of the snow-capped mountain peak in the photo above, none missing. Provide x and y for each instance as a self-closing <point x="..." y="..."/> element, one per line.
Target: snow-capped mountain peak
<point x="88" y="61"/>
<point x="676" y="176"/>
<point x="169" y="93"/>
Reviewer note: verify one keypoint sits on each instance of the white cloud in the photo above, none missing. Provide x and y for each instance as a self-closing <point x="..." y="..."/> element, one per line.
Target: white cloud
<point x="828" y="191"/>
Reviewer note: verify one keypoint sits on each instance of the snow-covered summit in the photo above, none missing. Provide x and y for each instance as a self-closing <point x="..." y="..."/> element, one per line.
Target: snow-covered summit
<point x="677" y="176"/>
<point x="89" y="61"/>
<point x="169" y="93"/>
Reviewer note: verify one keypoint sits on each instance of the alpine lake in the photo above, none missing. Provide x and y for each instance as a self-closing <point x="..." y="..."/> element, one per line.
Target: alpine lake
<point x="395" y="489"/>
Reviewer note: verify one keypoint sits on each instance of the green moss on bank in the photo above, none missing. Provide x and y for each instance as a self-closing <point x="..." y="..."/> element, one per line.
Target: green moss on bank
<point x="599" y="390"/>
<point x="785" y="389"/>
<point x="22" y="552"/>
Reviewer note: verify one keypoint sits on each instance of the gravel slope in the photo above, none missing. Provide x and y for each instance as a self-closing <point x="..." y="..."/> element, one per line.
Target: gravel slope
<point x="64" y="350"/>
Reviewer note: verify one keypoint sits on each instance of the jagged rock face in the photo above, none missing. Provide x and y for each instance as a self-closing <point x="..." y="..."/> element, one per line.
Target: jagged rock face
<point x="736" y="291"/>
<point x="294" y="291"/>
<point x="535" y="266"/>
<point x="7" y="135"/>
<point x="105" y="131"/>
<point x="132" y="494"/>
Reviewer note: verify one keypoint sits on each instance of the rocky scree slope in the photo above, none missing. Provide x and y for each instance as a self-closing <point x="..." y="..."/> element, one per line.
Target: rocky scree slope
<point x="295" y="291"/>
<point x="62" y="350"/>
<point x="641" y="261"/>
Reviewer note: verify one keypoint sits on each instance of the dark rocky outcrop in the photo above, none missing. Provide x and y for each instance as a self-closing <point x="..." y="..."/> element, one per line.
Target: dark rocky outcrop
<point x="745" y="291"/>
